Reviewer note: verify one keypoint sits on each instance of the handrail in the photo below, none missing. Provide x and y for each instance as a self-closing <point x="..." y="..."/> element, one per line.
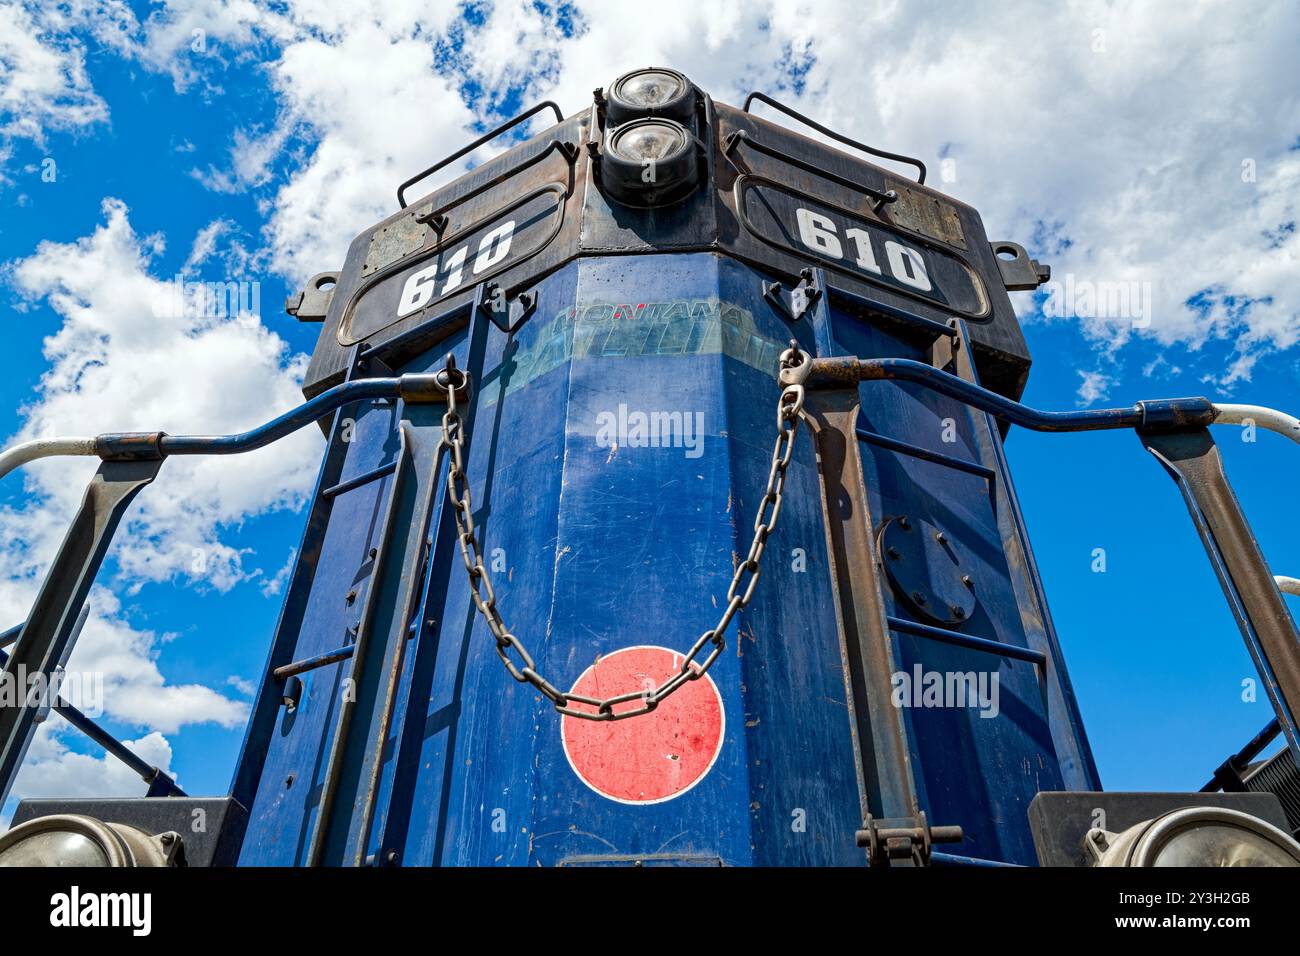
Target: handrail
<point x="739" y="137"/>
<point x="137" y="446"/>
<point x="841" y="371"/>
<point x="486" y="137"/>
<point x="131" y="460"/>
<point x="838" y="137"/>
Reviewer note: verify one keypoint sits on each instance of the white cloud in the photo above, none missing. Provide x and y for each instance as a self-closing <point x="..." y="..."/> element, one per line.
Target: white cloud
<point x="1093" y="387"/>
<point x="52" y="770"/>
<point x="1116" y="138"/>
<point x="245" y="687"/>
<point x="118" y="362"/>
<point x="43" y="81"/>
<point x="127" y="359"/>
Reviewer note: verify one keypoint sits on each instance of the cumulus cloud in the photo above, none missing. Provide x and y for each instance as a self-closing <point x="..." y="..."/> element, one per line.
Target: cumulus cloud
<point x="132" y="353"/>
<point x="139" y="352"/>
<point x="1142" y="146"/>
<point x="43" y="81"/>
<point x="53" y="770"/>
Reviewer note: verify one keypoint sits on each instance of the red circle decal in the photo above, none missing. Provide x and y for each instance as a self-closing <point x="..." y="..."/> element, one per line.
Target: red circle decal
<point x="653" y="757"/>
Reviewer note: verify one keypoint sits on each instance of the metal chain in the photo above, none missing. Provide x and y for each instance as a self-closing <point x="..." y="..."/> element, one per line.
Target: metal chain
<point x="788" y="417"/>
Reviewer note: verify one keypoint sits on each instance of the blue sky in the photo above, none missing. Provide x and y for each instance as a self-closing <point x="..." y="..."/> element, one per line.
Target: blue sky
<point x="255" y="148"/>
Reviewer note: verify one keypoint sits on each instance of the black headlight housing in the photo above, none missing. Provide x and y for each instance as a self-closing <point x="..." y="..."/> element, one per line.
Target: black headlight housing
<point x="649" y="162"/>
<point x="650" y="91"/>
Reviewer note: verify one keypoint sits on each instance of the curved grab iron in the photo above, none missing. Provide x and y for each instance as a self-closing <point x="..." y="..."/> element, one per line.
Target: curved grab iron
<point x="844" y="371"/>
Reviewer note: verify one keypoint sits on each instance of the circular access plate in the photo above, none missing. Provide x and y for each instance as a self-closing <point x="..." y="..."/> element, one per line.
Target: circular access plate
<point x="926" y="571"/>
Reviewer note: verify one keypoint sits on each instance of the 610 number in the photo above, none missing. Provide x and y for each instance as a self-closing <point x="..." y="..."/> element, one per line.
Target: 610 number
<point x="818" y="233"/>
<point x="420" y="286"/>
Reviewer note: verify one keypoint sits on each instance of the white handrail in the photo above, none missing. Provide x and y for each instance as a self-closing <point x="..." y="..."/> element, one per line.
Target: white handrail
<point x="21" y="454"/>
<point x="1269" y="418"/>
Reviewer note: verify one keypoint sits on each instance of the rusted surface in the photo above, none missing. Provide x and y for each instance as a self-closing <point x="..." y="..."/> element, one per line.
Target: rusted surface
<point x="885" y="771"/>
<point x="130" y="446"/>
<point x="707" y="219"/>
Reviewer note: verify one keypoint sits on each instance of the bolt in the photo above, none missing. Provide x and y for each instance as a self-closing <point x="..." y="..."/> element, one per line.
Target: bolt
<point x="374" y="552"/>
<point x="919" y="598"/>
<point x="940" y="537"/>
<point x="967" y="580"/>
<point x="904" y="523"/>
<point x="957" y="612"/>
<point x="352" y="595"/>
<point x="892" y="552"/>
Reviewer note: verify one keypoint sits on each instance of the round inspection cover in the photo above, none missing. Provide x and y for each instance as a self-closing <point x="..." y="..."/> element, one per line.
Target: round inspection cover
<point x="926" y="570"/>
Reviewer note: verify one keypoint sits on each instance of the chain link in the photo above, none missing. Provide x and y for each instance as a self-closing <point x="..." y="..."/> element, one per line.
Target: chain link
<point x="512" y="651"/>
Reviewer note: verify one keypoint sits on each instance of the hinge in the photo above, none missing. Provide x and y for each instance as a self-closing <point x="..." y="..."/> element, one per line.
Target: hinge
<point x="906" y="840"/>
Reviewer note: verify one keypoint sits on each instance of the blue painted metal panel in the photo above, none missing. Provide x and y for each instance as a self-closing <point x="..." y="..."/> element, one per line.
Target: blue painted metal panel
<point x="597" y="546"/>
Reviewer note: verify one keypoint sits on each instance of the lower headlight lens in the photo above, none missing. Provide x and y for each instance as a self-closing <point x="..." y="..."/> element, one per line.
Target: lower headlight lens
<point x="74" y="839"/>
<point x="55" y="848"/>
<point x="1198" y="836"/>
<point x="649" y="162"/>
<point x="648" y="140"/>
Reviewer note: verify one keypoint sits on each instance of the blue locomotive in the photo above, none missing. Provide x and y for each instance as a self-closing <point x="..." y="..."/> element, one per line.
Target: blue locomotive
<point x="664" y="520"/>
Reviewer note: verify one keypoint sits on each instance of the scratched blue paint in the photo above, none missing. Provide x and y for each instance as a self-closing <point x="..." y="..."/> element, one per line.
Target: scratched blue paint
<point x="596" y="548"/>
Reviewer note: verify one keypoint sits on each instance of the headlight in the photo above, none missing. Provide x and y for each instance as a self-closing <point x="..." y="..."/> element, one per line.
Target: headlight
<point x="649" y="162"/>
<point x="650" y="92"/>
<point x="1195" y="836"/>
<point x="75" y="840"/>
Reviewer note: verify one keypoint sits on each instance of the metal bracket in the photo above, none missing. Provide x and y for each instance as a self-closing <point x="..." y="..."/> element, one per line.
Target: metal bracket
<point x="505" y="313"/>
<point x="47" y="636"/>
<point x="1019" y="273"/>
<point x="908" y="840"/>
<point x="802" y="296"/>
<point x="313" y="303"/>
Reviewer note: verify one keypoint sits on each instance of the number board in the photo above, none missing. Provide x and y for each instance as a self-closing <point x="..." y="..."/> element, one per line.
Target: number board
<point x="847" y="243"/>
<point x="460" y="262"/>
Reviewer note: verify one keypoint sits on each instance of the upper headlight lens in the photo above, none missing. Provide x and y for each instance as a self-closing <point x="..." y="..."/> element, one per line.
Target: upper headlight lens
<point x="650" y="88"/>
<point x="650" y="92"/>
